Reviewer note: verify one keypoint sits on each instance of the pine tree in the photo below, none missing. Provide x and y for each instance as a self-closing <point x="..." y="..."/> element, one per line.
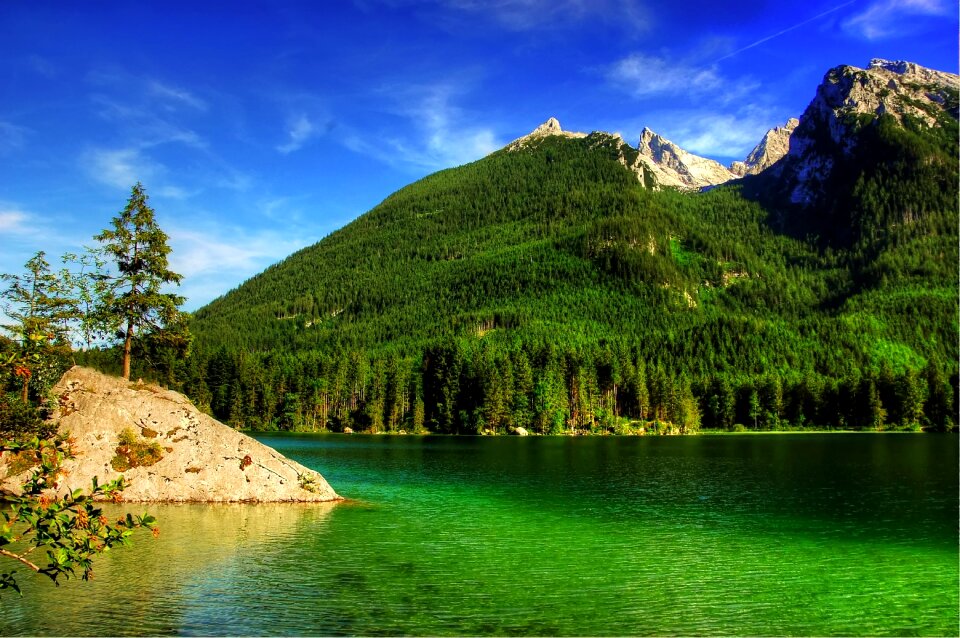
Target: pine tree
<point x="41" y="307"/>
<point x="135" y="302"/>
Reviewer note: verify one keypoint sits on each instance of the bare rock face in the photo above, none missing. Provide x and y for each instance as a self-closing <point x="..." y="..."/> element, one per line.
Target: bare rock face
<point x="899" y="89"/>
<point x="673" y="166"/>
<point x="550" y="127"/>
<point x="774" y="145"/>
<point x="201" y="460"/>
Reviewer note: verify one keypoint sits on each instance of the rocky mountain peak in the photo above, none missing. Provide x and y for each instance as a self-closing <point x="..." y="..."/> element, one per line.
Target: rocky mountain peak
<point x="675" y="167"/>
<point x="825" y="134"/>
<point x="913" y="72"/>
<point x="774" y="145"/>
<point x="548" y="128"/>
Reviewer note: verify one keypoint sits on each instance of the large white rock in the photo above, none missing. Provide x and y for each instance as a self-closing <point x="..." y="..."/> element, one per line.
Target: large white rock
<point x="203" y="459"/>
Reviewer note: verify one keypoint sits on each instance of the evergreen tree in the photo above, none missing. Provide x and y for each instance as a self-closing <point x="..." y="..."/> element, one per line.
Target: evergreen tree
<point x="135" y="302"/>
<point x="42" y="309"/>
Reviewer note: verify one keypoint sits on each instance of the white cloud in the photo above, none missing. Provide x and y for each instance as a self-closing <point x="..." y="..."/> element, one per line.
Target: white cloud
<point x="175" y="94"/>
<point x="140" y="123"/>
<point x="886" y="18"/>
<point x="173" y="192"/>
<point x="299" y="131"/>
<point x="646" y="76"/>
<point x="530" y="15"/>
<point x="11" y="136"/>
<point x="442" y="135"/>
<point x="13" y="221"/>
<point x="213" y="261"/>
<point x="723" y="135"/>
<point x="121" y="168"/>
<point x="650" y="77"/>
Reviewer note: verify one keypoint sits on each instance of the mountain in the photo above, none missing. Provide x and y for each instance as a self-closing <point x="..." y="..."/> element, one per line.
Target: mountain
<point x="873" y="157"/>
<point x="658" y="162"/>
<point x="915" y="99"/>
<point x="673" y="166"/>
<point x="553" y="286"/>
<point x="774" y="145"/>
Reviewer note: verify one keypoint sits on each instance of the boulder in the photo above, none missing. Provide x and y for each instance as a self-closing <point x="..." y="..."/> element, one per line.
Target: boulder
<point x="200" y="459"/>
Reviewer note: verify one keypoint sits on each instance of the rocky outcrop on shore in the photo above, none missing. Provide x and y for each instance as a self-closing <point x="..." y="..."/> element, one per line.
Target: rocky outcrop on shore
<point x="166" y="449"/>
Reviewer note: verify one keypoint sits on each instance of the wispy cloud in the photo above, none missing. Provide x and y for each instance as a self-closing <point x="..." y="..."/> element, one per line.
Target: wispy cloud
<point x="14" y="221"/>
<point x="216" y="259"/>
<point x="23" y="230"/>
<point x="441" y="133"/>
<point x="526" y="15"/>
<point x="176" y="95"/>
<point x="731" y="135"/>
<point x="11" y="136"/>
<point x="42" y="66"/>
<point x="645" y="75"/>
<point x="787" y="30"/>
<point x="888" y="18"/>
<point x="648" y="76"/>
<point x="121" y="167"/>
<point x="173" y="192"/>
<point x="143" y="124"/>
<point x="300" y="130"/>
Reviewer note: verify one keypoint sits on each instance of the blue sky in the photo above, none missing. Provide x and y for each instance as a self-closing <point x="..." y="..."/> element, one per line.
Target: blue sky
<point x="258" y="128"/>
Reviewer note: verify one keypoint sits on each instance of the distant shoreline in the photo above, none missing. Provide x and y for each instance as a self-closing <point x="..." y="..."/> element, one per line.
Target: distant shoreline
<point x="595" y="435"/>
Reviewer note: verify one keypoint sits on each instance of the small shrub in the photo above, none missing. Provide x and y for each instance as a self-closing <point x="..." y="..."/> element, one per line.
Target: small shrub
<point x="308" y="482"/>
<point x="135" y="452"/>
<point x="19" y="419"/>
<point x="21" y="462"/>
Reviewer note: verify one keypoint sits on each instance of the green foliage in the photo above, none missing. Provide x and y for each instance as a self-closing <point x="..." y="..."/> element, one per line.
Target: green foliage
<point x="133" y="303"/>
<point x="308" y="482"/>
<point x="133" y="451"/>
<point x="19" y="419"/>
<point x="71" y="528"/>
<point x="546" y="288"/>
<point x="41" y="309"/>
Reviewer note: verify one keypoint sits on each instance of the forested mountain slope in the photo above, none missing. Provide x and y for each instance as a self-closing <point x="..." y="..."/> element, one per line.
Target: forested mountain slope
<point x="546" y="287"/>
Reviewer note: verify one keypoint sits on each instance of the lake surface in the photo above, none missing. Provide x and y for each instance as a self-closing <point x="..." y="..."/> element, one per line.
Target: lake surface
<point x="786" y="534"/>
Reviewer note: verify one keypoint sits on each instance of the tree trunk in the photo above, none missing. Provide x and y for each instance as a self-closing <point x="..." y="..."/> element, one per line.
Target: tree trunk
<point x="127" y="346"/>
<point x="25" y="391"/>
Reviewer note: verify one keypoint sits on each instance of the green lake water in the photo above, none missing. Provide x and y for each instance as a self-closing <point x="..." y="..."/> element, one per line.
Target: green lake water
<point x="807" y="534"/>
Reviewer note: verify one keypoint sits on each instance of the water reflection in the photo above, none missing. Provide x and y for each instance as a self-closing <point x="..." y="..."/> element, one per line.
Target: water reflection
<point x="149" y="587"/>
<point x="748" y="535"/>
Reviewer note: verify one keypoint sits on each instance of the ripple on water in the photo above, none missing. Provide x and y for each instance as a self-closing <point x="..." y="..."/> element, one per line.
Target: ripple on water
<point x="549" y="537"/>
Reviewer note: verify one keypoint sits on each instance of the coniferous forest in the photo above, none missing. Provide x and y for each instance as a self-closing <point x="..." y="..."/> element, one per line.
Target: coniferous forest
<point x="546" y="288"/>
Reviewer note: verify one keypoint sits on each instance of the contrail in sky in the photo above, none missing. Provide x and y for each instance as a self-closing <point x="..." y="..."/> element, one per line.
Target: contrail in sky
<point x="788" y="29"/>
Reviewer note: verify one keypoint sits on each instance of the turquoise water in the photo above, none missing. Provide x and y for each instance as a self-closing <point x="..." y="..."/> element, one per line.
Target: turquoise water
<point x="712" y="535"/>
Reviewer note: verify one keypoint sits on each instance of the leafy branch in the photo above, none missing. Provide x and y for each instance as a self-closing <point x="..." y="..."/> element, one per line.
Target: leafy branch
<point x="72" y="528"/>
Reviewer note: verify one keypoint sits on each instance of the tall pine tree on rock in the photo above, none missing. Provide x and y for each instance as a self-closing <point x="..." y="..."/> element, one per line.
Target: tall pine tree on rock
<point x="135" y="304"/>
